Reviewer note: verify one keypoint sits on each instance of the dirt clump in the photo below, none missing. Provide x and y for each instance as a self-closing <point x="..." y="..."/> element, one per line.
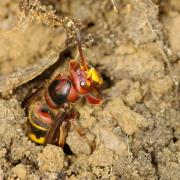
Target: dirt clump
<point x="135" y="133"/>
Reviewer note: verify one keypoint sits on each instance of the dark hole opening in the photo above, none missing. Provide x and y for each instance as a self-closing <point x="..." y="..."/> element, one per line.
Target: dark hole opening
<point x="90" y="24"/>
<point x="67" y="150"/>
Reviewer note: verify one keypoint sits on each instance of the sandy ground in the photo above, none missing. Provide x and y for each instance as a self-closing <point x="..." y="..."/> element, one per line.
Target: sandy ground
<point x="137" y="128"/>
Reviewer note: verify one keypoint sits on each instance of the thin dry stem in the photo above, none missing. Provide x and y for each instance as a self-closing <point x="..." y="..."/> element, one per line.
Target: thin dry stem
<point x="38" y="13"/>
<point x="114" y="6"/>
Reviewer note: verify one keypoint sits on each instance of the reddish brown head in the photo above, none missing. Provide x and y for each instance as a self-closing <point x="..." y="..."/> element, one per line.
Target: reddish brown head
<point x="87" y="80"/>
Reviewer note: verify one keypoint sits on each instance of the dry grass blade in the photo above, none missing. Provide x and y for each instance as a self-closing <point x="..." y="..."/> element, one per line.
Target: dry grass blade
<point x="38" y="13"/>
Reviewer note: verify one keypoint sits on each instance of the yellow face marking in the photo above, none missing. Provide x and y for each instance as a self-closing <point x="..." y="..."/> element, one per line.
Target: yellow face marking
<point x="95" y="76"/>
<point x="35" y="139"/>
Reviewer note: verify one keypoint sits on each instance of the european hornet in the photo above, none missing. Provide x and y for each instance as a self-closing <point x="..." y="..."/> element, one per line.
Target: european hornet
<point x="50" y="109"/>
